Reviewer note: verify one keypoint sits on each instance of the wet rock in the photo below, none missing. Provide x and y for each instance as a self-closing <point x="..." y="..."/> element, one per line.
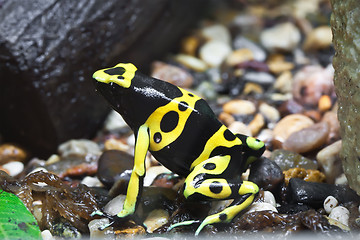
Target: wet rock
<point x="191" y="62"/>
<point x="214" y="52"/>
<point x="286" y="160"/>
<point x="91" y="182"/>
<point x="115" y="205"/>
<point x="293" y="208"/>
<point x="307" y="139"/>
<point x="171" y="74"/>
<point x="330" y="162"/>
<point x="116" y="144"/>
<point x="48" y="59"/>
<point x="81" y="147"/>
<point x="311" y="82"/>
<point x="10" y="152"/>
<point x="290" y="124"/>
<point x="309" y="175"/>
<point x="266" y="174"/>
<point x="115" y="166"/>
<point x="153" y="172"/>
<point x="314" y="194"/>
<point x="319" y="38"/>
<point x="156" y="219"/>
<point x="284" y="37"/>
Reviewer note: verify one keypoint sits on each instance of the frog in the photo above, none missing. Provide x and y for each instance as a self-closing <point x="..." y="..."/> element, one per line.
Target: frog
<point x="183" y="133"/>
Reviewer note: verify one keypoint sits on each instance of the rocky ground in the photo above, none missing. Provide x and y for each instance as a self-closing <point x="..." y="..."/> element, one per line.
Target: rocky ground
<point x="266" y="72"/>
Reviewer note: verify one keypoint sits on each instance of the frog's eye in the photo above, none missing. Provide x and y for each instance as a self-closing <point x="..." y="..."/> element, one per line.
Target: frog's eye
<point x="254" y="143"/>
<point x="121" y="74"/>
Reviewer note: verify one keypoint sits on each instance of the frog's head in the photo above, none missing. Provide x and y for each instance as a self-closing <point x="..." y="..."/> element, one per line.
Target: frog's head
<point x="122" y="75"/>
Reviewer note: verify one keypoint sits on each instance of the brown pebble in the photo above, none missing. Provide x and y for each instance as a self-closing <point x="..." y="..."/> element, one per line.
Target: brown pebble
<point x="290" y="107"/>
<point x="190" y="45"/>
<point x="313" y="114"/>
<point x="226" y="118"/>
<point x="277" y="64"/>
<point x="307" y="139"/>
<point x="256" y="124"/>
<point x="252" y="88"/>
<point x="309" y="175"/>
<point x="290" y="124"/>
<point x="239" y="56"/>
<point x="10" y="152"/>
<point x="324" y="103"/>
<point x="331" y="118"/>
<point x="172" y="74"/>
<point x="238" y="106"/>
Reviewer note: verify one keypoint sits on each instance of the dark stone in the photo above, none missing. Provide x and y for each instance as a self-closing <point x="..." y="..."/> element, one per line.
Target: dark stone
<point x="115" y="166"/>
<point x="266" y="174"/>
<point x="49" y="50"/>
<point x="314" y="194"/>
<point x="292" y="208"/>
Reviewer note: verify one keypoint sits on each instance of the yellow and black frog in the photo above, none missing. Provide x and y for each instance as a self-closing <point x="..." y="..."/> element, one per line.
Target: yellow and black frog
<point x="182" y="133"/>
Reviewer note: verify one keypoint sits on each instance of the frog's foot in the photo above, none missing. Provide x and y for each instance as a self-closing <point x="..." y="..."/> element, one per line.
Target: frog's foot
<point x="185" y="223"/>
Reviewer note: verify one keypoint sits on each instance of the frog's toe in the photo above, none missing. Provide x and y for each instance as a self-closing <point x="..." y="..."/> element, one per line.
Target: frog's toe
<point x="97" y="213"/>
<point x="185" y="223"/>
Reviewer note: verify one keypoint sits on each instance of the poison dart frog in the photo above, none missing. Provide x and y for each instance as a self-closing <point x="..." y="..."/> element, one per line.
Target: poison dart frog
<point x="182" y="133"/>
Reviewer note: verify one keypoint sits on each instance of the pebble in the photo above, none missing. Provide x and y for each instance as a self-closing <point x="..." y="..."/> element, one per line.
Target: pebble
<point x="115" y="205"/>
<point x="261" y="206"/>
<point x="10" y="152"/>
<point x="172" y="74"/>
<point x="290" y="124"/>
<point x="156" y="219"/>
<point x="283" y="82"/>
<point x="307" y="139"/>
<point x="311" y="82"/>
<point x="262" y="78"/>
<point x="13" y="167"/>
<point x="214" y="52"/>
<point x="191" y="62"/>
<point x="258" y="53"/>
<point x="284" y="37"/>
<point x="96" y="233"/>
<point x="256" y="124"/>
<point x="153" y="172"/>
<point x="116" y="144"/>
<point x="46" y="235"/>
<point x="314" y="193"/>
<point x="239" y="127"/>
<point x="239" y="56"/>
<point x="189" y="45"/>
<point x="239" y="107"/>
<point x="330" y="162"/>
<point x="91" y="182"/>
<point x="309" y="175"/>
<point x="114" y="122"/>
<point x="81" y="147"/>
<point x="266" y="174"/>
<point x="217" y="32"/>
<point x="324" y="103"/>
<point x="330" y="203"/>
<point x="268" y="197"/>
<point x="277" y="64"/>
<point x="334" y="133"/>
<point x="226" y="118"/>
<point x="252" y="88"/>
<point x="290" y="107"/>
<point x="286" y="160"/>
<point x="319" y="38"/>
<point x="341" y="180"/>
<point x="270" y="113"/>
<point x="340" y="214"/>
<point x="265" y="135"/>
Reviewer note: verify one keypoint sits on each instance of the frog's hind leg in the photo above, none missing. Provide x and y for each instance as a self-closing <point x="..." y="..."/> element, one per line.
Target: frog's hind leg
<point x="214" y="179"/>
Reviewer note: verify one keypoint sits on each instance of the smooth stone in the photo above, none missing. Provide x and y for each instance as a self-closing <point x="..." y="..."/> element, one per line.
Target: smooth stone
<point x="91" y="182"/>
<point x="256" y="124"/>
<point x="283" y="82"/>
<point x="78" y="147"/>
<point x="307" y="139"/>
<point x="13" y="167"/>
<point x="330" y="203"/>
<point x="10" y="152"/>
<point x="239" y="107"/>
<point x="172" y="74"/>
<point x="153" y="172"/>
<point x="314" y="194"/>
<point x="156" y="219"/>
<point x="268" y="197"/>
<point x="261" y="206"/>
<point x="286" y="160"/>
<point x="239" y="127"/>
<point x="293" y="208"/>
<point x="290" y="124"/>
<point x="191" y="62"/>
<point x="96" y="233"/>
<point x="114" y="122"/>
<point x="331" y="118"/>
<point x="114" y="166"/>
<point x="217" y="32"/>
<point x="239" y="56"/>
<point x="261" y="78"/>
<point x="266" y="174"/>
<point x="284" y="37"/>
<point x="330" y="162"/>
<point x="340" y="214"/>
<point x="214" y="52"/>
<point x="115" y="205"/>
<point x="319" y="38"/>
<point x="259" y="54"/>
<point x="270" y="113"/>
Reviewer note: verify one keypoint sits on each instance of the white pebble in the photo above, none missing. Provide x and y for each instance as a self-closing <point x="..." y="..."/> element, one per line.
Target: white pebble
<point x="78" y="147"/>
<point x="115" y="205"/>
<point x="269" y="112"/>
<point x="156" y="219"/>
<point x="14" y="167"/>
<point x="217" y="32"/>
<point x="330" y="203"/>
<point x="341" y="180"/>
<point x="46" y="235"/>
<point x="152" y="173"/>
<point x="239" y="127"/>
<point x="91" y="182"/>
<point x="214" y="52"/>
<point x="261" y="206"/>
<point x="340" y="214"/>
<point x="191" y="62"/>
<point x="114" y="121"/>
<point x="284" y="36"/>
<point x="269" y="198"/>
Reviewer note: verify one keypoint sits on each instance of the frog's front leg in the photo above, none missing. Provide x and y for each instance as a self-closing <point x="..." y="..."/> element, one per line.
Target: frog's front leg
<point x="135" y="186"/>
<point x="215" y="178"/>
